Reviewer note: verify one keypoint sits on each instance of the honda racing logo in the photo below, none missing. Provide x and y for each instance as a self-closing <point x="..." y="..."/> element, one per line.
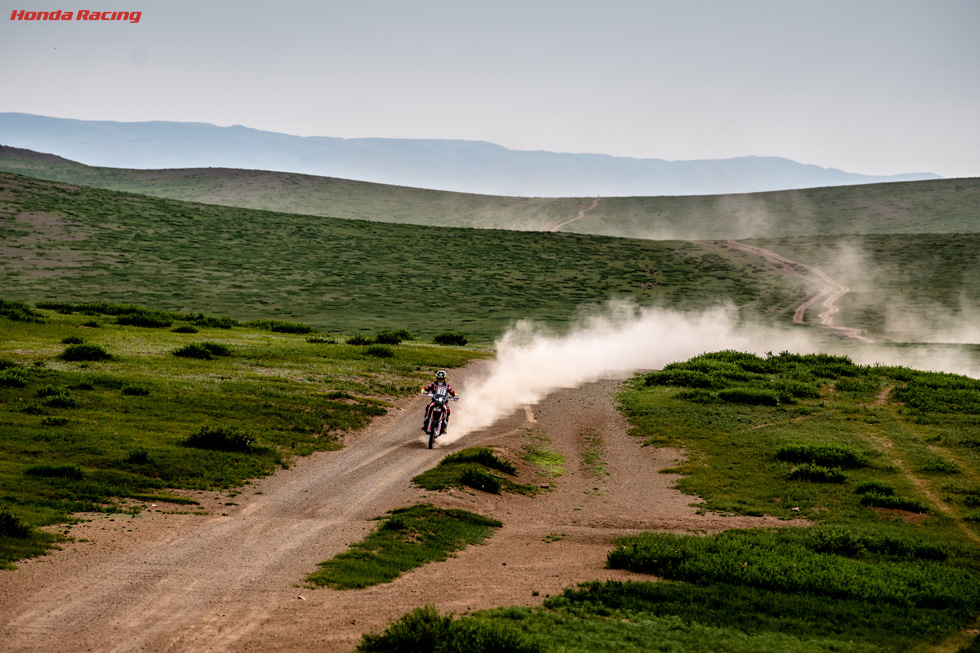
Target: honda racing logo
<point x="81" y="14"/>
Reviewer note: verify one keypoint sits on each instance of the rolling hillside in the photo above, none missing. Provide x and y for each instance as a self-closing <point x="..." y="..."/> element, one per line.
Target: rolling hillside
<point x="84" y="244"/>
<point x="942" y="206"/>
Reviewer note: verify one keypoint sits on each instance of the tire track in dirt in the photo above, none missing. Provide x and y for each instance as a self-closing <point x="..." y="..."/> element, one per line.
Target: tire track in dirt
<point x="830" y="290"/>
<point x="572" y="217"/>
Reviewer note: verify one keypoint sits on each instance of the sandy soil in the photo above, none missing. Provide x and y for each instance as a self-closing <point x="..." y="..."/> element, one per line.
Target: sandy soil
<point x="232" y="580"/>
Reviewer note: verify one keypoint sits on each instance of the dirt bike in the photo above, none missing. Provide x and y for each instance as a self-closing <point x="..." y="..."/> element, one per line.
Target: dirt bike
<point x="437" y="418"/>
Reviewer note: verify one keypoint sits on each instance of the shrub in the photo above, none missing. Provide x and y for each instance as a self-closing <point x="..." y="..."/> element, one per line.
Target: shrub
<point x="876" y="500"/>
<point x="684" y="378"/>
<point x="940" y="466"/>
<point x="816" y="474"/>
<point x="750" y="396"/>
<point x="135" y="391"/>
<point x="60" y="400"/>
<point x="392" y="337"/>
<point x="420" y="630"/>
<point x="184" y="328"/>
<point x="788" y="390"/>
<point x="202" y="350"/>
<point x="146" y="318"/>
<point x="423" y="630"/>
<point x="193" y="350"/>
<point x="481" y="455"/>
<point x="220" y="438"/>
<point x="85" y="353"/>
<point x="479" y="479"/>
<point x="360" y="340"/>
<point x="92" y="324"/>
<point x="12" y="526"/>
<point x="450" y="338"/>
<point x="137" y="456"/>
<point x="72" y="340"/>
<point x="72" y="472"/>
<point x="824" y="455"/>
<point x="14" y="377"/>
<point x="875" y="486"/>
<point x="318" y="340"/>
<point x="19" y="312"/>
<point x="698" y="396"/>
<point x="279" y="326"/>
<point x="380" y="351"/>
<point x="216" y="349"/>
<point x="209" y="321"/>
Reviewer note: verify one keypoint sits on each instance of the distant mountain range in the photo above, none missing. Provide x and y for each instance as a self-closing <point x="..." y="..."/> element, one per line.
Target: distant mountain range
<point x="453" y="165"/>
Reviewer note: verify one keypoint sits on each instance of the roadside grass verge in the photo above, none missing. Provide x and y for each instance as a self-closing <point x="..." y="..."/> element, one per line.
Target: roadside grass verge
<point x="405" y="539"/>
<point x="91" y="435"/>
<point x="479" y="468"/>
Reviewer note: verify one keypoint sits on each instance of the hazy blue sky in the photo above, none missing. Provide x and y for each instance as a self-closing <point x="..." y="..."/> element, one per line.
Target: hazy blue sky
<point x="869" y="86"/>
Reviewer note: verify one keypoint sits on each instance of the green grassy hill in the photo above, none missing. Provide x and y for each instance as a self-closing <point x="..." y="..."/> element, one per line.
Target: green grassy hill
<point x="84" y="244"/>
<point x="945" y="206"/>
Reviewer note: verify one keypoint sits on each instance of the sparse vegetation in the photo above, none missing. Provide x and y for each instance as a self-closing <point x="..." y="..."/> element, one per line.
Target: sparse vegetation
<point x="473" y="467"/>
<point x="405" y="539"/>
<point x="105" y="452"/>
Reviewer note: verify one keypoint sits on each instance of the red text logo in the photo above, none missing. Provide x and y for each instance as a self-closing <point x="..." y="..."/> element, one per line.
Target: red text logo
<point x="81" y="14"/>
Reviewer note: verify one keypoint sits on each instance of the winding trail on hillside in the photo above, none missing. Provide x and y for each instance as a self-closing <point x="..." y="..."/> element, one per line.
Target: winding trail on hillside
<point x="572" y="216"/>
<point x="830" y="290"/>
<point x="232" y="579"/>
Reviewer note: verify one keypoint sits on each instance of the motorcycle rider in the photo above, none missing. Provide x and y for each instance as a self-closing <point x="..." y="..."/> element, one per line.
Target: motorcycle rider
<point x="439" y="386"/>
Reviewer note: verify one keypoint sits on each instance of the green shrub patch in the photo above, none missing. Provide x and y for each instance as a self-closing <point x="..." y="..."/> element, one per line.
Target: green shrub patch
<point x="380" y="351"/>
<point x="472" y="467"/>
<point x="424" y="630"/>
<point x="825" y="455"/>
<point x="72" y="472"/>
<point x="85" y="352"/>
<point x="146" y="318"/>
<point x="405" y="539"/>
<point x="451" y="338"/>
<point x="875" y="486"/>
<point x="221" y="438"/>
<point x="392" y="337"/>
<point x="878" y="500"/>
<point x="12" y="526"/>
<point x="817" y="474"/>
<point x="15" y="377"/>
<point x="750" y="396"/>
<point x="772" y="561"/>
<point x="202" y="350"/>
<point x="279" y="326"/>
<point x="19" y="312"/>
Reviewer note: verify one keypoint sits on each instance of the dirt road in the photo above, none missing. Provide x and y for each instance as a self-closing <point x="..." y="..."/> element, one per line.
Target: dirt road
<point x="830" y="290"/>
<point x="572" y="216"/>
<point x="232" y="580"/>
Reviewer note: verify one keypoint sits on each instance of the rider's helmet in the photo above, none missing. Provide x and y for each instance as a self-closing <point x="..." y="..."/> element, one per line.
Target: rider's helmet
<point x="440" y="376"/>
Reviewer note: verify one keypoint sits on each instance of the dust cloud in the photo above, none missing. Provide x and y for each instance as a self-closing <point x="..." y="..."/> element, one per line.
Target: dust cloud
<point x="532" y="362"/>
<point x="623" y="339"/>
